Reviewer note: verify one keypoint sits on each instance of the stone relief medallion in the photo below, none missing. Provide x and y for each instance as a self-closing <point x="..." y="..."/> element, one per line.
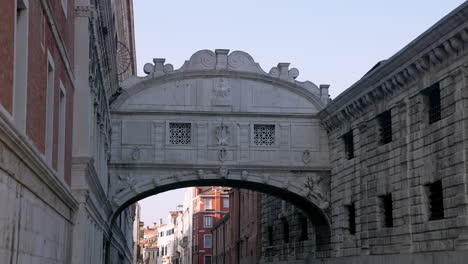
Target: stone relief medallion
<point x="306" y="156"/>
<point x="222" y="135"/>
<point x="222" y="154"/>
<point x="136" y="154"/>
<point x="222" y="93"/>
<point x="125" y="182"/>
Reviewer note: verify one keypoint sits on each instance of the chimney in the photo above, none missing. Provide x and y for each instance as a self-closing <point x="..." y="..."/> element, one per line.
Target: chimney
<point x="154" y="224"/>
<point x="160" y="221"/>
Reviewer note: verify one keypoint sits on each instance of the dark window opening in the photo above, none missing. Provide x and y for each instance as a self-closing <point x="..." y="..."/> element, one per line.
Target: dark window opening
<point x="433" y="103"/>
<point x="285" y="231"/>
<point x="304" y="229"/>
<point x="349" y="144"/>
<point x="270" y="236"/>
<point x="387" y="206"/>
<point x="436" y="200"/>
<point x="352" y="219"/>
<point x="385" y="127"/>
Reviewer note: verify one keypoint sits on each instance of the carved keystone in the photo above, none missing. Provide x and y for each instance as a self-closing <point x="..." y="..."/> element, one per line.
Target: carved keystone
<point x="221" y="59"/>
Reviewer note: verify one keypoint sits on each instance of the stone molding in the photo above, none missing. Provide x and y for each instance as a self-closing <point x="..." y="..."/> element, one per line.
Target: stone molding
<point x="419" y="57"/>
<point x="22" y="147"/>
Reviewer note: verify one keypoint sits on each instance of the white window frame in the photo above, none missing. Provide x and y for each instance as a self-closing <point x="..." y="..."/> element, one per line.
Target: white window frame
<point x="49" y="129"/>
<point x="210" y="203"/>
<point x="65" y="7"/>
<point x="62" y="130"/>
<point x="20" y="72"/>
<point x="208" y="223"/>
<point x="205" y="240"/>
<point x="226" y="202"/>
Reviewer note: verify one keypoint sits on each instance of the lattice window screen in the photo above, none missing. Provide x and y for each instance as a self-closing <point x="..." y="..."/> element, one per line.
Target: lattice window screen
<point x="264" y="135"/>
<point x="180" y="133"/>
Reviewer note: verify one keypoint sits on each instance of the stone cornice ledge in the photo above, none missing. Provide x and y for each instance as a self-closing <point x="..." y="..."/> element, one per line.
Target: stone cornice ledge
<point x="447" y="39"/>
<point x="21" y="147"/>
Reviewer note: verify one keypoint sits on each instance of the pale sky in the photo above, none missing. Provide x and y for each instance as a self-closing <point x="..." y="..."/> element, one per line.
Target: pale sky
<point x="331" y="42"/>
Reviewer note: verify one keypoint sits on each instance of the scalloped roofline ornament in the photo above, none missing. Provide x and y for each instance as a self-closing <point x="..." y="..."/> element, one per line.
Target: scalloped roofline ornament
<point x="222" y="61"/>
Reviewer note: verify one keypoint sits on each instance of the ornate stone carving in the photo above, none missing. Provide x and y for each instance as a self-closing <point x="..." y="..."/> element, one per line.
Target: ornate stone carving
<point x="222" y="135"/>
<point x="222" y="93"/>
<point x="223" y="172"/>
<point x="222" y="155"/>
<point x="314" y="187"/>
<point x="244" y="175"/>
<point x="306" y="157"/>
<point x="125" y="182"/>
<point x="201" y="174"/>
<point x="136" y="154"/>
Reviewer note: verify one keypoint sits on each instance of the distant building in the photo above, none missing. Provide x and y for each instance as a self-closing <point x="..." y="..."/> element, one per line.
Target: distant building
<point x="149" y="244"/>
<point x="237" y="237"/>
<point x="210" y="205"/>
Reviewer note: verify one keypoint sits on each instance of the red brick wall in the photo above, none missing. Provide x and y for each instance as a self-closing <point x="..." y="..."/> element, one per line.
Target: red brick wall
<point x="39" y="32"/>
<point x="7" y="21"/>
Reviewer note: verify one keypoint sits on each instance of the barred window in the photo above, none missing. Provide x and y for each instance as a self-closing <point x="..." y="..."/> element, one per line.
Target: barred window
<point x="264" y="135"/>
<point x="349" y="144"/>
<point x="385" y="127"/>
<point x="270" y="235"/>
<point x="436" y="200"/>
<point x="285" y="231"/>
<point x="304" y="229"/>
<point x="351" y="218"/>
<point x="387" y="208"/>
<point x="180" y="133"/>
<point x="433" y="103"/>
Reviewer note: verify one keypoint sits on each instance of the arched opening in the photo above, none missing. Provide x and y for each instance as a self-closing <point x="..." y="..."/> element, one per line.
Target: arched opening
<point x="317" y="216"/>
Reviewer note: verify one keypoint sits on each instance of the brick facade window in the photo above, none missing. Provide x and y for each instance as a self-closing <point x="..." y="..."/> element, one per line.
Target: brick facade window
<point x="349" y="144"/>
<point x="304" y="229"/>
<point x="270" y="235"/>
<point x="208" y="221"/>
<point x="433" y="103"/>
<point x="180" y="133"/>
<point x="285" y="231"/>
<point x="351" y="218"/>
<point x="385" y="127"/>
<point x="387" y="209"/>
<point x="436" y="200"/>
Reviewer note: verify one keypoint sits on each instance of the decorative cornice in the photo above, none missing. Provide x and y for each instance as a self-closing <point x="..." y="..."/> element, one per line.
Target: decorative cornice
<point x="223" y="64"/>
<point x="446" y="40"/>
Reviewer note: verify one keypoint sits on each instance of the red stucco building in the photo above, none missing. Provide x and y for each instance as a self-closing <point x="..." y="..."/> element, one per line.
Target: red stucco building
<point x="210" y="205"/>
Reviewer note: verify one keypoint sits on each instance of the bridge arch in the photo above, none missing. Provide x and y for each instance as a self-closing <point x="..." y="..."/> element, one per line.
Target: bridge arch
<point x="221" y="120"/>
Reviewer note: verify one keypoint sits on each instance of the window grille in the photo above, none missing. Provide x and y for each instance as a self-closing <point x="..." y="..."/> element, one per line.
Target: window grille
<point x="436" y="200"/>
<point x="433" y="102"/>
<point x="264" y="135"/>
<point x="387" y="206"/>
<point x="385" y="127"/>
<point x="349" y="144"/>
<point x="180" y="133"/>
<point x="352" y="219"/>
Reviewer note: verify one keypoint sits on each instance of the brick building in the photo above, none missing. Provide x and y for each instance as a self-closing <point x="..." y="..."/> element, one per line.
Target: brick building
<point x="210" y="205"/>
<point x="36" y="112"/>
<point x="57" y="73"/>
<point x="237" y="236"/>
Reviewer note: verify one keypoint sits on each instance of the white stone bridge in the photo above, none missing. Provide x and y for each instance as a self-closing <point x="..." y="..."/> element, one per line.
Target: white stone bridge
<point x="221" y="120"/>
